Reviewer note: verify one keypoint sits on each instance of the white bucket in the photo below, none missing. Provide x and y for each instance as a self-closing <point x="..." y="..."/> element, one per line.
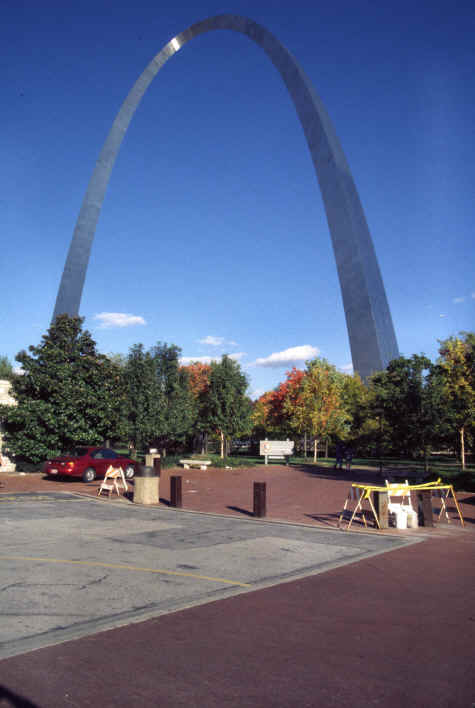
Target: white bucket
<point x="401" y="519"/>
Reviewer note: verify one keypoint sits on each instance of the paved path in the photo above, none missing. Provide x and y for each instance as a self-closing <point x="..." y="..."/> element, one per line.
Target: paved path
<point x="71" y="566"/>
<point x="395" y="629"/>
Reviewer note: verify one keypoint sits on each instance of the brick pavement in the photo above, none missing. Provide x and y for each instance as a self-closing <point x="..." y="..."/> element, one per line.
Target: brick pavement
<point x="301" y="494"/>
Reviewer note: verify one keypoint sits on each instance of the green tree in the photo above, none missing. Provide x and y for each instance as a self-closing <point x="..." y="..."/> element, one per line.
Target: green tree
<point x="198" y="383"/>
<point x="68" y="395"/>
<point x="362" y="426"/>
<point x="161" y="407"/>
<point x="145" y="398"/>
<point x="456" y="365"/>
<point x="227" y="409"/>
<point x="180" y="407"/>
<point x="6" y="368"/>
<point x="408" y="396"/>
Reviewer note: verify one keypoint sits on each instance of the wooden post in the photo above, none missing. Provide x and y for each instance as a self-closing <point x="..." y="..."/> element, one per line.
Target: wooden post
<point x="175" y="492"/>
<point x="259" y="499"/>
<point x="381" y="504"/>
<point x="424" y="503"/>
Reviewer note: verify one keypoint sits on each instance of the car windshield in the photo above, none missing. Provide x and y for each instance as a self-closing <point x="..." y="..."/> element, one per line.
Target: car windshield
<point x="76" y="452"/>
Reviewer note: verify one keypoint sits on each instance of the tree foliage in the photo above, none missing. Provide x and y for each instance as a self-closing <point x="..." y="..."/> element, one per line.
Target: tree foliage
<point x="6" y="368"/>
<point x="226" y="408"/>
<point x="161" y="407"/>
<point x="407" y="396"/>
<point x="68" y="395"/>
<point x="321" y="409"/>
<point x="456" y="365"/>
<point x="145" y="398"/>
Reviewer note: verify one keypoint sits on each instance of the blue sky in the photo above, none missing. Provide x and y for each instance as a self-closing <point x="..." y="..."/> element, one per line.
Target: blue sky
<point x="212" y="235"/>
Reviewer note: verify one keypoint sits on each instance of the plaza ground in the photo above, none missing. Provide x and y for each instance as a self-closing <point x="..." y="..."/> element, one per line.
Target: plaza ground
<point x="392" y="629"/>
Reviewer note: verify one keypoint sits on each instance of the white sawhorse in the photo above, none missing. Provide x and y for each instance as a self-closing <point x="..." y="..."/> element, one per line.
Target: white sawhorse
<point x="113" y="479"/>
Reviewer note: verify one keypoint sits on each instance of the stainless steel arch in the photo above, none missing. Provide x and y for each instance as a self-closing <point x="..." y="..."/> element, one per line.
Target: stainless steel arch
<point x="370" y="329"/>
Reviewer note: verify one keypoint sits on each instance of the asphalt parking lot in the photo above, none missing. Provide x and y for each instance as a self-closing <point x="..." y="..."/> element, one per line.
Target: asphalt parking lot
<point x="72" y="566"/>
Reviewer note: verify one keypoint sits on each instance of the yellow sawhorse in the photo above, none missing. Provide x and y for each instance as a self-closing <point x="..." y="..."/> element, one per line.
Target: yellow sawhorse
<point x="358" y="493"/>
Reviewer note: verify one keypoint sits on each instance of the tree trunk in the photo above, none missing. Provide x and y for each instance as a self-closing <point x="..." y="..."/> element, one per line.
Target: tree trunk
<point x="206" y="443"/>
<point x="326" y="449"/>
<point x="222" y="443"/>
<point x="462" y="447"/>
<point x="315" y="450"/>
<point x="305" y="444"/>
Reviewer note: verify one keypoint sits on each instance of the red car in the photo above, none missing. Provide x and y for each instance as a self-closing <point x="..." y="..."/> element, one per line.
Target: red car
<point x="89" y="463"/>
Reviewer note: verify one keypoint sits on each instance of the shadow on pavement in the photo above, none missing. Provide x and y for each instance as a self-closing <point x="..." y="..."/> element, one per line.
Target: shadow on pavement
<point x="241" y="510"/>
<point x="344" y="475"/>
<point x="9" y="698"/>
<point x="327" y="519"/>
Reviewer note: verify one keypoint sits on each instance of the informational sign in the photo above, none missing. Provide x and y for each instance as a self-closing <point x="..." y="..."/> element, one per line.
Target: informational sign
<point x="276" y="449"/>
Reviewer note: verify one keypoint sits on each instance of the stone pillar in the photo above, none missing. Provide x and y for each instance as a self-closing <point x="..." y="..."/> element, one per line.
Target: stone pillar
<point x="5" y="399"/>
<point x="146" y="486"/>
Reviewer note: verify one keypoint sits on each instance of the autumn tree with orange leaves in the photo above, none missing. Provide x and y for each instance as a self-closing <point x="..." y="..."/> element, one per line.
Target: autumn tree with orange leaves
<point x="271" y="412"/>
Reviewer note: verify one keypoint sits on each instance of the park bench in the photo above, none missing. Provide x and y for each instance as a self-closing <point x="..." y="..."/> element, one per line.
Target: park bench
<point x="202" y="464"/>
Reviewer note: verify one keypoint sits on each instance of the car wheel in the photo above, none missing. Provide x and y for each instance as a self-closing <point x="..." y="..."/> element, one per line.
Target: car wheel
<point x="129" y="472"/>
<point x="89" y="475"/>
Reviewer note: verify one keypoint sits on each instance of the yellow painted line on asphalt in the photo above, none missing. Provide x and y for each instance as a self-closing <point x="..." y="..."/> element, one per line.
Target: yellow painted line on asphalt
<point x="35" y="499"/>
<point x="119" y="566"/>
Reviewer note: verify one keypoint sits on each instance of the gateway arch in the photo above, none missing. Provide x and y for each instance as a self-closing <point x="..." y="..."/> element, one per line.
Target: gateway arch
<point x="370" y="328"/>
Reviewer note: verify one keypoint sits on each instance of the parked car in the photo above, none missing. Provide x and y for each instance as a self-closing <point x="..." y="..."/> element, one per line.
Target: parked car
<point x="89" y="463"/>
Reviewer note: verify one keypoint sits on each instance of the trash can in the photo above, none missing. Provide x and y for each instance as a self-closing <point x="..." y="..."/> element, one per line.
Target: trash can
<point x="146" y="485"/>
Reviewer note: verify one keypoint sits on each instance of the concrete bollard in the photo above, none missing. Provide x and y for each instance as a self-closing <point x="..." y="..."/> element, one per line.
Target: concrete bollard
<point x="146" y="486"/>
<point x="259" y="499"/>
<point x="424" y="512"/>
<point x="175" y="492"/>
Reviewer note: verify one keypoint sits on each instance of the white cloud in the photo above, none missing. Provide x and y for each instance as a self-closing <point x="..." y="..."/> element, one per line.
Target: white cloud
<point x="347" y="367"/>
<point x="442" y="315"/>
<point x="458" y="300"/>
<point x="18" y="370"/>
<point x="186" y="360"/>
<point x="118" y="319"/>
<point x="212" y="341"/>
<point x="257" y="393"/>
<point x="288" y="357"/>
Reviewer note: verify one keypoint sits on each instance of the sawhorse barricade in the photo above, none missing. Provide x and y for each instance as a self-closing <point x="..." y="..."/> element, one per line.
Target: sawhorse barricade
<point x="443" y="491"/>
<point x="360" y="493"/>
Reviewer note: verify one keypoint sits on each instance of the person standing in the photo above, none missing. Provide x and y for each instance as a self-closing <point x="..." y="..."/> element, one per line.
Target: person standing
<point x="339" y="456"/>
